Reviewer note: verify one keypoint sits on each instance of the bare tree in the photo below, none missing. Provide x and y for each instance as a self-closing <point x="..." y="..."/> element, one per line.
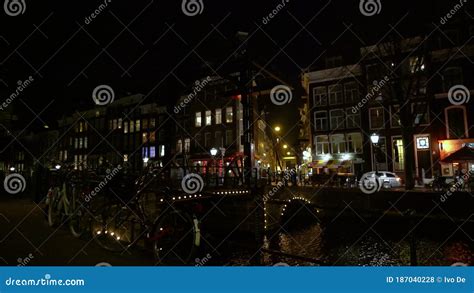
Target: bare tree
<point x="404" y="62"/>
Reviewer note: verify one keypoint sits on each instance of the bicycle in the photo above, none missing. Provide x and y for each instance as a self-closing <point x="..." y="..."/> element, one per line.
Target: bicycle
<point x="123" y="220"/>
<point x="65" y="201"/>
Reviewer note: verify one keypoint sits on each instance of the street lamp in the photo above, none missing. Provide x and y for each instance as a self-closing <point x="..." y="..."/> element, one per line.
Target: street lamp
<point x="285" y="146"/>
<point x="277" y="128"/>
<point x="213" y="152"/>
<point x="375" y="140"/>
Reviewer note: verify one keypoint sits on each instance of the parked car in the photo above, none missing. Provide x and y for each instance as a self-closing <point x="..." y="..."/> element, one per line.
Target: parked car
<point x="385" y="178"/>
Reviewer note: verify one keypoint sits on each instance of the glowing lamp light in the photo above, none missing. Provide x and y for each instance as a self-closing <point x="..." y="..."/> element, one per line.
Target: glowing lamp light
<point x="214" y="152"/>
<point x="375" y="138"/>
<point x="57" y="167"/>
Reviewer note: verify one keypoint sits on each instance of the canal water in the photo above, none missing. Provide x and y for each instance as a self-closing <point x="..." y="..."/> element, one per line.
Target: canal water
<point x="359" y="242"/>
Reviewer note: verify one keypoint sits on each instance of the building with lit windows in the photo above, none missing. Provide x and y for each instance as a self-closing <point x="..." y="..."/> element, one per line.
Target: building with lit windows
<point x="124" y="131"/>
<point x="337" y="135"/>
<point x="211" y="117"/>
<point x="349" y="103"/>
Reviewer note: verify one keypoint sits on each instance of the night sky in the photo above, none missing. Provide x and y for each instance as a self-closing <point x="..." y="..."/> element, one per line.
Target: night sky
<point x="151" y="47"/>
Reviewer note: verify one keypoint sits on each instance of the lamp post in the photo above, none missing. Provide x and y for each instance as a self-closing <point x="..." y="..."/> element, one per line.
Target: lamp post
<point x="213" y="154"/>
<point x="375" y="140"/>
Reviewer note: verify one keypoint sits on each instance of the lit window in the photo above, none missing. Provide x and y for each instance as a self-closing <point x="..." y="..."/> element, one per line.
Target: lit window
<point x="119" y="123"/>
<point x="187" y="145"/>
<point x="218" y="116"/>
<point x="152" y="136"/>
<point x="152" y="123"/>
<point x="85" y="142"/>
<point x="229" y="115"/>
<point x="152" y="152"/>
<point x="338" y="143"/>
<point x="198" y="120"/>
<point x="162" y="151"/>
<point x="145" y="152"/>
<point x="179" y="146"/>
<point x="144" y="137"/>
<point x="322" y="145"/>
<point x="137" y="125"/>
<point x="417" y="64"/>
<point x="145" y="123"/>
<point x="81" y="127"/>
<point x="398" y="154"/>
<point x="125" y="127"/>
<point x="208" y="117"/>
<point x="132" y="127"/>
<point x="76" y="143"/>
<point x="354" y="143"/>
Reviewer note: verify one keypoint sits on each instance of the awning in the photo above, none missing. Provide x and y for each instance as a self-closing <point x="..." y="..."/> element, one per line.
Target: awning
<point x="462" y="155"/>
<point x="346" y="164"/>
<point x="317" y="164"/>
<point x="333" y="164"/>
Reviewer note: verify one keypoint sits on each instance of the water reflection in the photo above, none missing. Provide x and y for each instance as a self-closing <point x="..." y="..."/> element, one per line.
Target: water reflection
<point x="358" y="243"/>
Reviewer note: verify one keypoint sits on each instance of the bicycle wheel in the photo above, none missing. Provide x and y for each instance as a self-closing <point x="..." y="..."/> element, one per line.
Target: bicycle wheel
<point x="175" y="238"/>
<point x="78" y="221"/>
<point x="112" y="228"/>
<point x="54" y="212"/>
